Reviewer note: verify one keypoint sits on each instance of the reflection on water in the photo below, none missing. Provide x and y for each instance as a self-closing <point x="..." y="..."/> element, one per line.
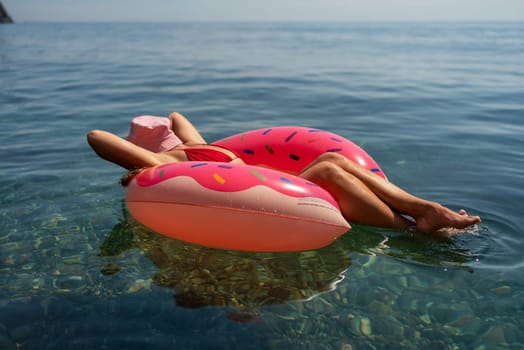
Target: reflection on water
<point x="201" y="276"/>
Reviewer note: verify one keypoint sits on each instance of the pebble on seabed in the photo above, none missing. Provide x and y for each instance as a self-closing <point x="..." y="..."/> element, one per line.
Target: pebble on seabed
<point x="138" y="285"/>
<point x="365" y="326"/>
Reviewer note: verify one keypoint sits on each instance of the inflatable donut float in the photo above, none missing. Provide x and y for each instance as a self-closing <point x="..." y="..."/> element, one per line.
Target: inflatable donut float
<point x="292" y="148"/>
<point x="248" y="206"/>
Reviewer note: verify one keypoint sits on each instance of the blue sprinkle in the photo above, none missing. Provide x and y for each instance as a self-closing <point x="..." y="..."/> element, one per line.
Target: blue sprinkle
<point x="336" y="139"/>
<point x="267" y="131"/>
<point x="288" y="181"/>
<point x="197" y="165"/>
<point x="375" y="170"/>
<point x="291" y="136"/>
<point x="334" y="150"/>
<point x="314" y="130"/>
<point x="223" y="166"/>
<point x="311" y="184"/>
<point x="294" y="157"/>
<point x="249" y="151"/>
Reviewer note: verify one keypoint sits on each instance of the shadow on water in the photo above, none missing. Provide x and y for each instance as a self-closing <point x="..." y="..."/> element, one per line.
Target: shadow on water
<point x="246" y="281"/>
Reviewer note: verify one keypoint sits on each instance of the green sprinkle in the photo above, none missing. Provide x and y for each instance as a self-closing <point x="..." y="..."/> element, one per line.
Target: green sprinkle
<point x="259" y="175"/>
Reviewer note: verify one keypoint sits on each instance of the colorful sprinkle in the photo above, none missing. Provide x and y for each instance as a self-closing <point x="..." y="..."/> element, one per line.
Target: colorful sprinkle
<point x="314" y="140"/>
<point x="161" y="175"/>
<point x="219" y="179"/>
<point x="286" y="180"/>
<point x="267" y="131"/>
<point x="334" y="150"/>
<point x="336" y="139"/>
<point x="375" y="170"/>
<point x="291" y="136"/>
<point x="294" y="157"/>
<point x="270" y="149"/>
<point x="225" y="166"/>
<point x="248" y="151"/>
<point x="257" y="174"/>
<point x="198" y="165"/>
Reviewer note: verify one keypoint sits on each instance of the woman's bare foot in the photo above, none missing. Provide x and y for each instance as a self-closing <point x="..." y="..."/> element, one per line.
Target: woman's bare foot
<point x="437" y="217"/>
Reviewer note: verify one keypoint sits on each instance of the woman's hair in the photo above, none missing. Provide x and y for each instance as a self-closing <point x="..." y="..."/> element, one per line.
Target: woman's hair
<point x="126" y="179"/>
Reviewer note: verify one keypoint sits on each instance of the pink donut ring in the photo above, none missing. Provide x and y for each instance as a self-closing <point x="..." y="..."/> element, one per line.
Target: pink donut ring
<point x="235" y="206"/>
<point x="247" y="207"/>
<point x="292" y="148"/>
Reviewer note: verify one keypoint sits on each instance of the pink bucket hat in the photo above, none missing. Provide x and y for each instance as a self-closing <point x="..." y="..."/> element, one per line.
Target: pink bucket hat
<point x="153" y="133"/>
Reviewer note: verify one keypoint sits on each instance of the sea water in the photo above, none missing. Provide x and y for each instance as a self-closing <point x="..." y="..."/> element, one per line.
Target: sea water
<point x="439" y="105"/>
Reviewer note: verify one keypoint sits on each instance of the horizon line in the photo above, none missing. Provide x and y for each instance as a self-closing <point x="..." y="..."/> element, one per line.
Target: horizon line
<point x="418" y="21"/>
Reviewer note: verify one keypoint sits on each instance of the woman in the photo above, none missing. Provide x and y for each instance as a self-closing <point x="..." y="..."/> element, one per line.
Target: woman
<point x="363" y="197"/>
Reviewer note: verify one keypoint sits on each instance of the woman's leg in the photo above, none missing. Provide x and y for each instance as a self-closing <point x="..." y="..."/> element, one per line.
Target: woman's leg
<point x="357" y="203"/>
<point x="429" y="216"/>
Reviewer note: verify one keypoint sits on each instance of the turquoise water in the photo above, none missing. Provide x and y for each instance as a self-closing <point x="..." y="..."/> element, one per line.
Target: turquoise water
<point x="439" y="106"/>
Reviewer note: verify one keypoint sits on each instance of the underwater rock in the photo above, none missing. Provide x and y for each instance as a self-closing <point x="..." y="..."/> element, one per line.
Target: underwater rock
<point x="110" y="269"/>
<point x="502" y="290"/>
<point x="494" y="336"/>
<point x="68" y="283"/>
<point x="6" y="343"/>
<point x="450" y="314"/>
<point x="392" y="328"/>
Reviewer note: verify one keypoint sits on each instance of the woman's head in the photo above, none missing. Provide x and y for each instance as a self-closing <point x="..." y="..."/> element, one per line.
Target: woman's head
<point x="153" y="133"/>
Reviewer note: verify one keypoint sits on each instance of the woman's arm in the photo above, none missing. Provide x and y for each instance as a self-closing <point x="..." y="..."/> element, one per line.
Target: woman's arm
<point x="185" y="130"/>
<point x="119" y="151"/>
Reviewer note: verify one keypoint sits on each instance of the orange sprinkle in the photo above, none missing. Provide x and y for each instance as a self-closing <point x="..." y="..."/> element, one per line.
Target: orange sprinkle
<point x="219" y="179"/>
